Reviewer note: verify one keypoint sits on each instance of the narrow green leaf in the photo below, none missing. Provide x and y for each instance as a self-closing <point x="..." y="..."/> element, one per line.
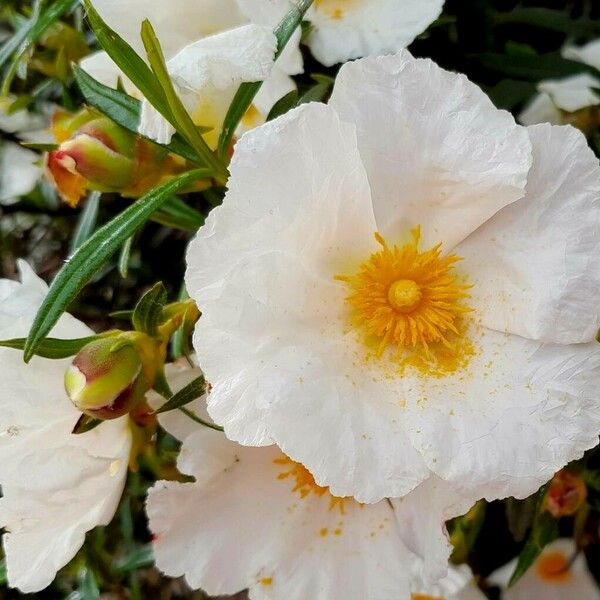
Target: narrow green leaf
<point x="39" y="146"/>
<point x="124" y="257"/>
<point x="88" y="588"/>
<point x="185" y="395"/>
<point x="124" y="315"/>
<point x="543" y="531"/>
<point x="179" y="215"/>
<point x="194" y="417"/>
<point x="85" y="424"/>
<point x="124" y="110"/>
<point x="89" y="257"/>
<point x="3" y="577"/>
<point x="52" y="347"/>
<point x="128" y="61"/>
<point x="520" y="515"/>
<point x="247" y="91"/>
<point x="161" y="385"/>
<point x="137" y="558"/>
<point x="87" y="221"/>
<point x="553" y="20"/>
<point x="147" y="313"/>
<point x="179" y="342"/>
<point x="283" y="105"/>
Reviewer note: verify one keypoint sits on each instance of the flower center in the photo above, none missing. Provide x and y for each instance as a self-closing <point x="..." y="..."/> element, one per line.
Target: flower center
<point x="305" y="484"/>
<point x="408" y="299"/>
<point x="553" y="567"/>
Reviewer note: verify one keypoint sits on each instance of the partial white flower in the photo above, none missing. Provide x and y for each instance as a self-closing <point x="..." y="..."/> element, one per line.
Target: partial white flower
<point x="381" y="363"/>
<point x="56" y="486"/>
<point x="346" y="29"/>
<point x="255" y="519"/>
<point x="20" y="171"/>
<point x="553" y="576"/>
<point x="208" y="54"/>
<point x="567" y="95"/>
<point x="457" y="585"/>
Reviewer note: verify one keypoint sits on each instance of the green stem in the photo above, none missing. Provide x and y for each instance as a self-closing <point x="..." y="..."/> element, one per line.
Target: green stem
<point x="194" y="417"/>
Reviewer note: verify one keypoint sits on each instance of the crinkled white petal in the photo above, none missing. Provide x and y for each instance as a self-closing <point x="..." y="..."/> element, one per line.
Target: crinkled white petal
<point x="572" y="93"/>
<point x="346" y="29"/>
<point x="503" y="425"/>
<point x="437" y="152"/>
<point x="218" y="62"/>
<point x="588" y="53"/>
<point x="535" y="266"/>
<point x="578" y="583"/>
<point x="55" y="486"/>
<point x="19" y="173"/>
<point x="457" y="585"/>
<point x="177" y="22"/>
<point x="422" y="517"/>
<point x="541" y="110"/>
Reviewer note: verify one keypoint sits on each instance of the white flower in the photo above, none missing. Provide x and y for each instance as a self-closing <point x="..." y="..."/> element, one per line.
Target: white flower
<point x="345" y="29"/>
<point x="211" y="46"/>
<point x="20" y="172"/>
<point x="255" y="519"/>
<point x="570" y="94"/>
<point x="358" y="357"/>
<point x="551" y="577"/>
<point x="55" y="486"/>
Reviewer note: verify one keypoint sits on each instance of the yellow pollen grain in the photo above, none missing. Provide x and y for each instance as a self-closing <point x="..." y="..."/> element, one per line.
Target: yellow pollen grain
<point x="411" y="301"/>
<point x="335" y="9"/>
<point x="266" y="581"/>
<point x="305" y="484"/>
<point x="323" y="532"/>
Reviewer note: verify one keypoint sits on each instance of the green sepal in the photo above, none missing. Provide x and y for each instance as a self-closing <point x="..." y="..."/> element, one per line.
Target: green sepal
<point x="185" y="395"/>
<point x="85" y="424"/>
<point x="147" y="313"/>
<point x="53" y="348"/>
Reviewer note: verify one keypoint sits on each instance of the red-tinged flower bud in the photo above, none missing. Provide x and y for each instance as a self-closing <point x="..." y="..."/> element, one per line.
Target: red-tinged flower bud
<point x="566" y="494"/>
<point x="106" y="379"/>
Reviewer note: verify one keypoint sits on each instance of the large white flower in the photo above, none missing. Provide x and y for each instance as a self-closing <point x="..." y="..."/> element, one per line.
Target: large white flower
<point x="55" y="486"/>
<point x="568" y="95"/>
<point x="379" y="363"/>
<point x="211" y="46"/>
<point x="558" y="573"/>
<point x="345" y="29"/>
<point x="255" y="519"/>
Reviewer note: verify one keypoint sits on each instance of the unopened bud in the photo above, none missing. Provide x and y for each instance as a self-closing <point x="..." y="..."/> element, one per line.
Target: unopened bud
<point x="106" y="379"/>
<point x="566" y="494"/>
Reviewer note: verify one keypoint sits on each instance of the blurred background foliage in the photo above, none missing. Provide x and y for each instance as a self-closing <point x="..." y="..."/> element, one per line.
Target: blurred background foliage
<point x="505" y="46"/>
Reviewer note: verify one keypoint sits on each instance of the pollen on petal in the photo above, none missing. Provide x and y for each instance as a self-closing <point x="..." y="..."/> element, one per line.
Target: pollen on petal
<point x="553" y="567"/>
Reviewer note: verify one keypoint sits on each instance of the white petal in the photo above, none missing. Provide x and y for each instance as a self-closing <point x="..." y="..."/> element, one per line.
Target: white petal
<point x="535" y="266"/>
<point x="20" y="120"/>
<point x="101" y="67"/>
<point x="218" y="62"/>
<point x="352" y="29"/>
<point x="507" y="422"/>
<point x="572" y="93"/>
<point x="422" y="517"/>
<point x="457" y="585"/>
<point x="437" y="152"/>
<point x="177" y="22"/>
<point x="541" y="110"/>
<point x="588" y="53"/>
<point x="19" y="173"/>
<point x="245" y="527"/>
<point x="577" y="583"/>
<point x="55" y="486"/>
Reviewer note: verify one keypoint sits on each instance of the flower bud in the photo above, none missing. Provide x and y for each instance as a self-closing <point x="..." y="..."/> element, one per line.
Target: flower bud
<point x="106" y="379"/>
<point x="97" y="154"/>
<point x="566" y="494"/>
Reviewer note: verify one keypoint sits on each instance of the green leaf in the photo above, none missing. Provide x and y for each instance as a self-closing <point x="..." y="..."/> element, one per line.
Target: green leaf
<point x="177" y="114"/>
<point x="464" y="531"/>
<point x="87" y="221"/>
<point x="520" y="515"/>
<point x="185" y="395"/>
<point x="88" y="588"/>
<point x="179" y="215"/>
<point x="543" y="531"/>
<point x="89" y="257"/>
<point x="39" y="146"/>
<point x="128" y="61"/>
<point x="509" y="93"/>
<point x="52" y="348"/>
<point x="285" y="104"/>
<point x="147" y="313"/>
<point x="3" y="577"/>
<point x="124" y="110"/>
<point x="124" y="257"/>
<point x="553" y="20"/>
<point x="247" y="91"/>
<point x="85" y="424"/>
<point x="137" y="558"/>
<point x="124" y="315"/>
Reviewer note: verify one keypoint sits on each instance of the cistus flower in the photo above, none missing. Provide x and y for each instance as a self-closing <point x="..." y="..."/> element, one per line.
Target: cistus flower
<point x="401" y="286"/>
<point x="106" y="379"/>
<point x="253" y="518"/>
<point x="346" y="29"/>
<point x="55" y="486"/>
<point x="566" y="494"/>
<point x="570" y="100"/>
<point x="95" y="153"/>
<point x="560" y="572"/>
<point x="211" y="46"/>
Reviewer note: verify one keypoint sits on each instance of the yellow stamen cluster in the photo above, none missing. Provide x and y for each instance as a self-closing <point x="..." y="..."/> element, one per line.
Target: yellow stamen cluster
<point x="405" y="298"/>
<point x="305" y="483"/>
